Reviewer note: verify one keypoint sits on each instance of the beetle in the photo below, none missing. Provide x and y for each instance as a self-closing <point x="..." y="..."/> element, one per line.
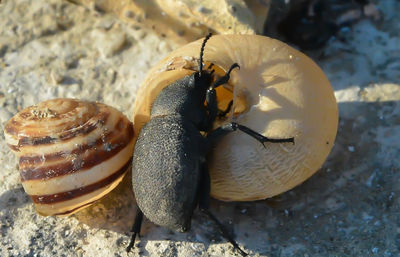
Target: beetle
<point x="170" y="177"/>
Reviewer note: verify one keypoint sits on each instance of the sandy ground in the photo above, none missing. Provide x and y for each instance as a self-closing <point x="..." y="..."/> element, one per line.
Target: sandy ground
<point x="349" y="208"/>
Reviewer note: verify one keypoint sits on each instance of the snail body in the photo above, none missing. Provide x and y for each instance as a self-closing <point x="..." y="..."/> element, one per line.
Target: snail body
<point x="71" y="153"/>
<point x="278" y="92"/>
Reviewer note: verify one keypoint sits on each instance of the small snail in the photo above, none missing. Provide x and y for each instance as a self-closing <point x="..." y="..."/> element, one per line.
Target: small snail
<point x="70" y="152"/>
<point x="278" y="92"/>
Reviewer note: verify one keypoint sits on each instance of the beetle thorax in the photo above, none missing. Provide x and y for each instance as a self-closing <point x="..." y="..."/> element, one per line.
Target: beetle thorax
<point x="184" y="97"/>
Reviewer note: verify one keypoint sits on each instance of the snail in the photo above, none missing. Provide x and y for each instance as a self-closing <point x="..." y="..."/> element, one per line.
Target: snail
<point x="278" y="92"/>
<point x="71" y="152"/>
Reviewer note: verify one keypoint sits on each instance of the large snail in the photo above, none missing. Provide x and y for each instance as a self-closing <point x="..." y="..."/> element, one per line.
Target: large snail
<point x="70" y="152"/>
<point x="278" y="92"/>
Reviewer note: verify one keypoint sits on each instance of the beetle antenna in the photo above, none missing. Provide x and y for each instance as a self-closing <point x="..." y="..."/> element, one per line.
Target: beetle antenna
<point x="202" y="52"/>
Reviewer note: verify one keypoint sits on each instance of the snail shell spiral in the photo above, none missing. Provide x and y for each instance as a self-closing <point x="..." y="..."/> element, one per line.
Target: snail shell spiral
<point x="278" y="92"/>
<point x="70" y="152"/>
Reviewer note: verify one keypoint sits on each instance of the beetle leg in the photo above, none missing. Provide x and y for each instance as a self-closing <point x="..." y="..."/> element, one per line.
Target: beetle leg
<point x="135" y="229"/>
<point x="204" y="204"/>
<point x="226" y="111"/>
<point x="209" y="68"/>
<point x="211" y="96"/>
<point x="226" y="77"/>
<point x="233" y="126"/>
<point x="212" y="106"/>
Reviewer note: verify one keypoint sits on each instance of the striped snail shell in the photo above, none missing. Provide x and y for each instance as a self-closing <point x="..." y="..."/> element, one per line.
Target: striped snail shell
<point x="278" y="92"/>
<point x="70" y="152"/>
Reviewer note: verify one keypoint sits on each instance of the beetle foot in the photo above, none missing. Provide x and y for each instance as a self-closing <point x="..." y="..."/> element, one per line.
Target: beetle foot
<point x="135" y="229"/>
<point x="223" y="231"/>
<point x="131" y="243"/>
<point x="226" y="77"/>
<point x="260" y="138"/>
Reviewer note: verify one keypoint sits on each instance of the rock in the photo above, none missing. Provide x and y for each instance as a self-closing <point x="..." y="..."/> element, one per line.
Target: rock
<point x="2" y="99"/>
<point x="47" y="26"/>
<point x="56" y="76"/>
<point x="106" y="23"/>
<point x="381" y="92"/>
<point x="108" y="42"/>
<point x="183" y="21"/>
<point x="3" y="48"/>
<point x="4" y="115"/>
<point x="221" y="16"/>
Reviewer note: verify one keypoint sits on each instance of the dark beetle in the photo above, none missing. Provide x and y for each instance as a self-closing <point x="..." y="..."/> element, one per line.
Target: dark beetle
<point x="169" y="174"/>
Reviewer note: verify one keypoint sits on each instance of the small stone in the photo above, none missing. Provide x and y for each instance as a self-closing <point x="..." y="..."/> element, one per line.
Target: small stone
<point x="106" y="22"/>
<point x="370" y="180"/>
<point x="349" y="16"/>
<point x="108" y="43"/>
<point x="3" y="49"/>
<point x="56" y="76"/>
<point x="4" y="115"/>
<point x="204" y="10"/>
<point x="351" y="149"/>
<point x="71" y="61"/>
<point x="370" y="10"/>
<point x="129" y="14"/>
<point x="366" y="217"/>
<point x="138" y="33"/>
<point x="48" y="26"/>
<point x="2" y="99"/>
<point x="387" y="253"/>
<point x="111" y="75"/>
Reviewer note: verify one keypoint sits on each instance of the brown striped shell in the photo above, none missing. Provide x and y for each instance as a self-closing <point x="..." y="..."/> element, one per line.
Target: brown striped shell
<point x="70" y="152"/>
<point x="278" y="92"/>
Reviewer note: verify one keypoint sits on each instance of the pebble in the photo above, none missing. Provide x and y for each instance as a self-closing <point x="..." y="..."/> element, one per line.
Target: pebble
<point x="106" y="23"/>
<point x="48" y="25"/>
<point x="4" y="115"/>
<point x="56" y="76"/>
<point x="108" y="43"/>
<point x="3" y="48"/>
<point x="375" y="250"/>
<point x="2" y="99"/>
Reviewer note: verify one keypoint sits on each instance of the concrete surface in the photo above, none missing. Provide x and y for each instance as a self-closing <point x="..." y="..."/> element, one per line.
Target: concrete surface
<point x="350" y="207"/>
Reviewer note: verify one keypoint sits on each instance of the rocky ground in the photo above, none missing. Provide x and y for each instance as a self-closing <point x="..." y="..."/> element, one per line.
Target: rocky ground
<point x="350" y="207"/>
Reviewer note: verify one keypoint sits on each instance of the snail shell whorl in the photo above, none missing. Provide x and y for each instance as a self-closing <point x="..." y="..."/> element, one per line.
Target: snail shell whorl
<point x="71" y="152"/>
<point x="286" y="95"/>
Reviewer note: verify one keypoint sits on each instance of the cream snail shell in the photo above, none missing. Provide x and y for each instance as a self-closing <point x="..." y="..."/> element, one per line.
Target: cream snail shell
<point x="70" y="152"/>
<point x="278" y="92"/>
